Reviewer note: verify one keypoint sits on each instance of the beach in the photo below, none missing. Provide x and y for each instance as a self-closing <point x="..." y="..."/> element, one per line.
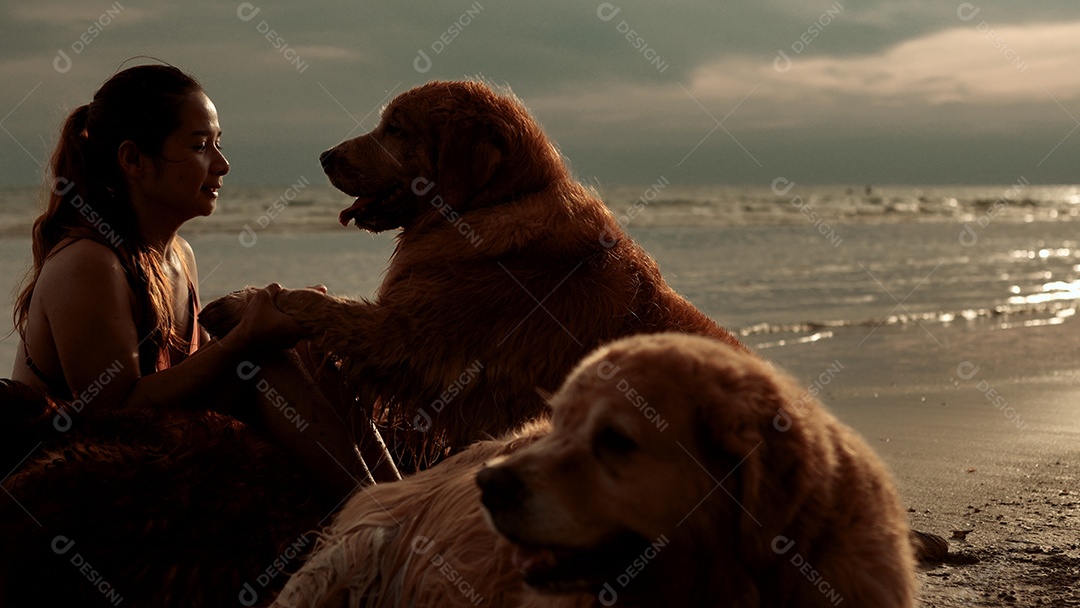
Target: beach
<point x="955" y="356"/>
<point x="984" y="454"/>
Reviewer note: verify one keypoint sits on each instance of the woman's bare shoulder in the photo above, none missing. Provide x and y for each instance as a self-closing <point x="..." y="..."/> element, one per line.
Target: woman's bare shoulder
<point x="186" y="251"/>
<point x="83" y="265"/>
<point x="73" y="250"/>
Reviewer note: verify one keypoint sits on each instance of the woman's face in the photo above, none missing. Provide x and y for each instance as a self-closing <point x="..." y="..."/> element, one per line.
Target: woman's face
<point x="190" y="168"/>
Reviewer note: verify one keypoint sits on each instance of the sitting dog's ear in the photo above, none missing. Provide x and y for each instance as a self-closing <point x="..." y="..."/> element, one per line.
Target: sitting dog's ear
<point x="469" y="155"/>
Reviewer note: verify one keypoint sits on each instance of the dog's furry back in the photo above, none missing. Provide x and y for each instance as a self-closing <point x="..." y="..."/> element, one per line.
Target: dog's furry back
<point x="500" y="283"/>
<point x="419" y="542"/>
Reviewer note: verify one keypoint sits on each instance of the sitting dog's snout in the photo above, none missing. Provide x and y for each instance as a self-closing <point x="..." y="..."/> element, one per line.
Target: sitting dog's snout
<point x="501" y="489"/>
<point x="326" y="158"/>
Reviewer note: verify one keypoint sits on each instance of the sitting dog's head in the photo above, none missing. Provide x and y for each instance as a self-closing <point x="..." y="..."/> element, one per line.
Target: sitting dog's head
<point x="655" y="439"/>
<point x="441" y="148"/>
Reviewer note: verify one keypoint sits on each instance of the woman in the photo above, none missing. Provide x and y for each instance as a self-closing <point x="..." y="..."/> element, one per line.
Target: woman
<point x="112" y="297"/>
<point x="109" y="316"/>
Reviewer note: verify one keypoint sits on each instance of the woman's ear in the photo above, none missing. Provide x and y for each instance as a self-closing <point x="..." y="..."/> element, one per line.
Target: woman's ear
<point x="133" y="163"/>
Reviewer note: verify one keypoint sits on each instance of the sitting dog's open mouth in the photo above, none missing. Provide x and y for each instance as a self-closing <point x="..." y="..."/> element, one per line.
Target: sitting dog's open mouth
<point x="563" y="570"/>
<point x="371" y="211"/>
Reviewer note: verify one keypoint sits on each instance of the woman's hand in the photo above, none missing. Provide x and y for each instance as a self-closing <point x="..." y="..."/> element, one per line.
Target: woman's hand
<point x="263" y="326"/>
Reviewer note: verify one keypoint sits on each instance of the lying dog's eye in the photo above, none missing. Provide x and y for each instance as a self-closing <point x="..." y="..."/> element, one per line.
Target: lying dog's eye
<point x="392" y="128"/>
<point x="613" y="441"/>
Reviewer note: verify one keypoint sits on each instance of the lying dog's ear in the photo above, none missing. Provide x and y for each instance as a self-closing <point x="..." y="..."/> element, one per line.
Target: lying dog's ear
<point x="759" y="444"/>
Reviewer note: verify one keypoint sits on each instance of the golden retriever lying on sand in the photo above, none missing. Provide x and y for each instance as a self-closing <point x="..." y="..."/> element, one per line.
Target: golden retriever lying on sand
<point x="677" y="471"/>
<point x="507" y="271"/>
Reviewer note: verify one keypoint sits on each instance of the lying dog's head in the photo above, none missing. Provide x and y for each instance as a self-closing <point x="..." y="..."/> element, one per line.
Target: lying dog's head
<point x="441" y="148"/>
<point x="655" y="439"/>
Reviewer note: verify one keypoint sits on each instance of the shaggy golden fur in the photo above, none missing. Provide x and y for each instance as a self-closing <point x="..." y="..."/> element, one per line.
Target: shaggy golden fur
<point x="506" y="273"/>
<point x="178" y="507"/>
<point x="421" y="541"/>
<point x="678" y="471"/>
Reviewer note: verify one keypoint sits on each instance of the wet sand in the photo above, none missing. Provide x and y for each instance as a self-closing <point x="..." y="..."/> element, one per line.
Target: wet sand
<point x="980" y="424"/>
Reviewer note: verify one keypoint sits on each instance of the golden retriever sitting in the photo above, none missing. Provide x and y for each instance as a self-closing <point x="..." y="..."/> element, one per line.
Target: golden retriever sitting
<point x="678" y="471"/>
<point x="506" y="273"/>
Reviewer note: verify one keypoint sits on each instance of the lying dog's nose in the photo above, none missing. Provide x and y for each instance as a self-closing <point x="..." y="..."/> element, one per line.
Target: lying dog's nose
<point x="324" y="158"/>
<point x="500" y="488"/>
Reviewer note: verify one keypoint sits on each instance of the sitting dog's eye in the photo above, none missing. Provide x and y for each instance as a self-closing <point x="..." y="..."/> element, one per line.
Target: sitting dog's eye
<point x="392" y="128"/>
<point x="613" y="441"/>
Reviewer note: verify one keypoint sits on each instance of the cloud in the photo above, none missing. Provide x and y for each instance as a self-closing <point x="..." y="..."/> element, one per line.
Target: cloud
<point x="81" y="15"/>
<point x="974" y="78"/>
<point x="892" y="72"/>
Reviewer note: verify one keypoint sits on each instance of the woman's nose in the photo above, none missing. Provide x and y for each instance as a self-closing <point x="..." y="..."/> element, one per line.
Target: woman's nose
<point x="221" y="165"/>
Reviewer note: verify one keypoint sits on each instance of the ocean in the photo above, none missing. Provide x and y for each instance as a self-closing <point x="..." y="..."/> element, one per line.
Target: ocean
<point x="810" y="276"/>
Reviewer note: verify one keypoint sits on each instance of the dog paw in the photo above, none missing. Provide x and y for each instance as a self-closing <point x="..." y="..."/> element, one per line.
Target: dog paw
<point x="305" y="306"/>
<point x="929" y="548"/>
<point x="224" y="313"/>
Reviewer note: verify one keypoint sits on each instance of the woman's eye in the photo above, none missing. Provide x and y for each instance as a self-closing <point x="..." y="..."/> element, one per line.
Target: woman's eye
<point x="202" y="147"/>
<point x="613" y="441"/>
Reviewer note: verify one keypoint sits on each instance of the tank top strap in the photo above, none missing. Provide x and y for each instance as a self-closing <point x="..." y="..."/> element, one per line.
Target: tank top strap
<point x="193" y="305"/>
<point x="58" y="389"/>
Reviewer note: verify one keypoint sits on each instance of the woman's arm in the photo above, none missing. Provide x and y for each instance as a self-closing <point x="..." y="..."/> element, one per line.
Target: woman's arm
<point x="263" y="328"/>
<point x="89" y="308"/>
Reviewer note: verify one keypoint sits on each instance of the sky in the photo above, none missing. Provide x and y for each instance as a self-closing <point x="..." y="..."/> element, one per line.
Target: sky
<point x="696" y="92"/>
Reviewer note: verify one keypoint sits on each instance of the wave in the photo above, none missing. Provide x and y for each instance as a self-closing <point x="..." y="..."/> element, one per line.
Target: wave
<point x="1053" y="313"/>
<point x="304" y="208"/>
<point x="733" y="205"/>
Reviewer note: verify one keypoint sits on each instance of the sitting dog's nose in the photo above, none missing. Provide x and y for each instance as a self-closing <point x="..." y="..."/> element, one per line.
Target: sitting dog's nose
<point x="324" y="158"/>
<point x="500" y="488"/>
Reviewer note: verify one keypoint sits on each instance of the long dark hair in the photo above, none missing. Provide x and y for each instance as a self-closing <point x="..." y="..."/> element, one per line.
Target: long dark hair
<point x="88" y="197"/>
